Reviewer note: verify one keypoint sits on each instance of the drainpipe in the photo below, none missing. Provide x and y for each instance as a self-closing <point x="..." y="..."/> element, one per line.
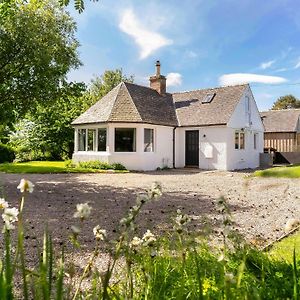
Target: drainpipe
<point x="174" y="144"/>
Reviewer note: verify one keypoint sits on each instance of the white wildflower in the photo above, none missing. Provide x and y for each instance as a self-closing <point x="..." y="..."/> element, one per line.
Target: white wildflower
<point x="75" y="229"/>
<point x="136" y="243"/>
<point x="156" y="191"/>
<point x="148" y="238"/>
<point x="3" y="203"/>
<point x="100" y="234"/>
<point x="25" y="186"/>
<point x="291" y="224"/>
<point x="83" y="210"/>
<point x="221" y="257"/>
<point x="9" y="216"/>
<point x="229" y="277"/>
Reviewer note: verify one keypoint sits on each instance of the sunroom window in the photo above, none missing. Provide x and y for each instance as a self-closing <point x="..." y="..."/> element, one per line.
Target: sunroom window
<point x="91" y="140"/>
<point x="148" y="140"/>
<point x="81" y="139"/>
<point x="101" y="139"/>
<point x="125" y="140"/>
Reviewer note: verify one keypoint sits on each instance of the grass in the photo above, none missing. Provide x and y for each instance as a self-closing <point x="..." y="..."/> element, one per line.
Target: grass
<point x="284" y="249"/>
<point x="44" y="167"/>
<point x="287" y="171"/>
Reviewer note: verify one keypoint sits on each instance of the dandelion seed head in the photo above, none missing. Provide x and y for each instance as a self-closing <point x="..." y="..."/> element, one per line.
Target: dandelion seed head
<point x="83" y="211"/>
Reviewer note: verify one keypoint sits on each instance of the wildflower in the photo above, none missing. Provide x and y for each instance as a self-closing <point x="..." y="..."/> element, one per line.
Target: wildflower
<point x="3" y="203"/>
<point x="100" y="234"/>
<point x="25" y="186"/>
<point x="148" y="238"/>
<point x="9" y="216"/>
<point x="221" y="257"/>
<point x="181" y="220"/>
<point x="229" y="277"/>
<point x="156" y="191"/>
<point x="291" y="224"/>
<point x="75" y="229"/>
<point x="136" y="243"/>
<point x="83" y="211"/>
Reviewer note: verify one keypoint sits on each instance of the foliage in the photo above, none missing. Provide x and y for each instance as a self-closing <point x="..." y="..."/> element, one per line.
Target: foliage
<point x="292" y="171"/>
<point x="286" y="102"/>
<point x="6" y="153"/>
<point x="37" y="49"/>
<point x="45" y="167"/>
<point x="96" y="164"/>
<point x="181" y="265"/>
<point x="78" y="4"/>
<point x="100" y="86"/>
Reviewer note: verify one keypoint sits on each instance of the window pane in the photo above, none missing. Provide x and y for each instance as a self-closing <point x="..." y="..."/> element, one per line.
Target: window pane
<point x="101" y="139"/>
<point x="125" y="140"/>
<point x="255" y="140"/>
<point x="91" y="139"/>
<point x="148" y="140"/>
<point x="236" y="140"/>
<point x="242" y="140"/>
<point x="81" y="139"/>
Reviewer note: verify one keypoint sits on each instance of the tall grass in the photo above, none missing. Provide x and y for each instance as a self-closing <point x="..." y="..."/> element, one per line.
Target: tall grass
<point x="179" y="265"/>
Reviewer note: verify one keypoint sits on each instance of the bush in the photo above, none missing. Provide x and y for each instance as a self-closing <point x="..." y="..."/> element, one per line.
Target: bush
<point x="99" y="165"/>
<point x="7" y="154"/>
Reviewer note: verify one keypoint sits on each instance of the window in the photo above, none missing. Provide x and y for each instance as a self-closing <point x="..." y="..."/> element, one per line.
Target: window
<point x="255" y="136"/>
<point x="148" y="140"/>
<point x="125" y="139"/>
<point x="248" y="110"/>
<point x="239" y="140"/>
<point x="208" y="98"/>
<point x="101" y="139"/>
<point x="81" y="139"/>
<point x="91" y="145"/>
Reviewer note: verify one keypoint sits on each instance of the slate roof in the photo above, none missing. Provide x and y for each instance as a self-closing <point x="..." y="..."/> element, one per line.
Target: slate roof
<point x="192" y="112"/>
<point x="285" y="120"/>
<point x="138" y="104"/>
<point x="133" y="103"/>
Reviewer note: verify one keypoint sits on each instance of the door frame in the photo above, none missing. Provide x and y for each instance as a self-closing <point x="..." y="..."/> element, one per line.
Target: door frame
<point x="198" y="148"/>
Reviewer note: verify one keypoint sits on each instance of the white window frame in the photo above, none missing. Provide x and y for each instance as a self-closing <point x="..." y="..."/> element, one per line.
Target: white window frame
<point x="153" y="140"/>
<point x="239" y="145"/>
<point x="95" y="139"/>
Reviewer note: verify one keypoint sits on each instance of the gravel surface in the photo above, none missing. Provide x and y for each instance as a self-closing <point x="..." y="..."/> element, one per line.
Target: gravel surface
<point x="260" y="206"/>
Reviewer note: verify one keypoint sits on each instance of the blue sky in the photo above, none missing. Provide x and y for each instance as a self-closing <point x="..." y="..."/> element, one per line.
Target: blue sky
<point x="199" y="43"/>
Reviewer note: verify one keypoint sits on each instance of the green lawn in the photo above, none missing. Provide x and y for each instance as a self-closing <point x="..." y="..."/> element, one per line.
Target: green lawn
<point x="288" y="171"/>
<point x="44" y="167"/>
<point x="284" y="249"/>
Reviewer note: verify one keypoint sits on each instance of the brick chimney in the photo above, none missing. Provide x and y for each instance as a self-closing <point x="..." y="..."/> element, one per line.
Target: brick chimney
<point x="158" y="81"/>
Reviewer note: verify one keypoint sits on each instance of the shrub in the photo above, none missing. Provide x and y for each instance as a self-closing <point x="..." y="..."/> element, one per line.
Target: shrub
<point x="70" y="164"/>
<point x="7" y="154"/>
<point x="118" y="166"/>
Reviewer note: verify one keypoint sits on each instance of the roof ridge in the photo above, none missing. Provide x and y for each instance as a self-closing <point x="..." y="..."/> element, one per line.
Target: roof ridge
<point x="283" y="109"/>
<point x="212" y="88"/>
<point x="115" y="98"/>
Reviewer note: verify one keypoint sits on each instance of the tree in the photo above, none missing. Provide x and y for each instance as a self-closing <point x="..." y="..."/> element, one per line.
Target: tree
<point x="285" y="102"/>
<point x="48" y="129"/>
<point x="78" y="4"/>
<point x="37" y="49"/>
<point x="100" y="86"/>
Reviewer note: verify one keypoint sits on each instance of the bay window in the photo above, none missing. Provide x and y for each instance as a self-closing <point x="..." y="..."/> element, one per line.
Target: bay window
<point x="125" y="139"/>
<point x="148" y="140"/>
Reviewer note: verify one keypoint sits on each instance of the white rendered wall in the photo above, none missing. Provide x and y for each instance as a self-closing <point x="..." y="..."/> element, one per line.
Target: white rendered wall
<point x="248" y="157"/>
<point x="214" y="138"/>
<point x="138" y="160"/>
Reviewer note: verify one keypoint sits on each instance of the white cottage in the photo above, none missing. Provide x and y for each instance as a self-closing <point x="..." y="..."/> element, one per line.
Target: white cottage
<point x="146" y="128"/>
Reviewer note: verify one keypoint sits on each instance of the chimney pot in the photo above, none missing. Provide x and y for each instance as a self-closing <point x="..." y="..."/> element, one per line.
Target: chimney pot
<point x="158" y="81"/>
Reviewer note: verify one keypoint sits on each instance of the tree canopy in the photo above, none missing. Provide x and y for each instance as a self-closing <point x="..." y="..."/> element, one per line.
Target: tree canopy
<point x="37" y="49"/>
<point x="286" y="102"/>
<point x="78" y="4"/>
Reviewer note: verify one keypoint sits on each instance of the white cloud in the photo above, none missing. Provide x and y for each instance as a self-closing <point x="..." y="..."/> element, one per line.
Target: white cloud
<point x="297" y="66"/>
<point x="174" y="79"/>
<point x="191" y="54"/>
<point x="147" y="40"/>
<point x="239" y="78"/>
<point x="267" y="64"/>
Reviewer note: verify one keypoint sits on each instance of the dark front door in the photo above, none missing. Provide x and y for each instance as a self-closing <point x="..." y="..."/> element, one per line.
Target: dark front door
<point x="192" y="148"/>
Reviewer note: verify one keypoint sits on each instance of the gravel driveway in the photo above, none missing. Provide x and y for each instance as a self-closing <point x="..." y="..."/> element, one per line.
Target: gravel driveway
<point x="260" y="206"/>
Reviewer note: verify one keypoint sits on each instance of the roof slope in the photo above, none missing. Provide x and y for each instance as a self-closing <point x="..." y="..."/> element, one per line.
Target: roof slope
<point x="192" y="112"/>
<point x="285" y="120"/>
<point x="131" y="103"/>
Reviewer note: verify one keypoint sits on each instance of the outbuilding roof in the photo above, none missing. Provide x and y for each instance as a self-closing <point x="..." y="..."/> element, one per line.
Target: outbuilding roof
<point x="138" y="104"/>
<point x="285" y="120"/>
